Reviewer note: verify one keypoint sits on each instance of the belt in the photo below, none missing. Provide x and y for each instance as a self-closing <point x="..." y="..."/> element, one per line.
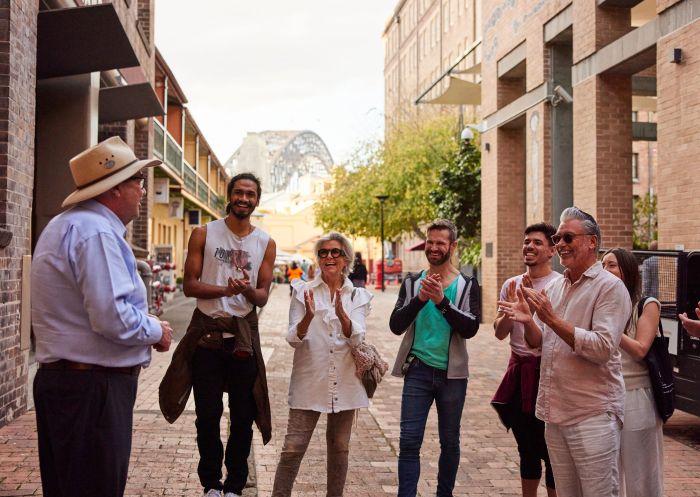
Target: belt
<point x="64" y="364"/>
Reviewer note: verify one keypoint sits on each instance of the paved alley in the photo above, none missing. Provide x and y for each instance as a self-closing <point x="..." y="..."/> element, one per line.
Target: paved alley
<point x="164" y="456"/>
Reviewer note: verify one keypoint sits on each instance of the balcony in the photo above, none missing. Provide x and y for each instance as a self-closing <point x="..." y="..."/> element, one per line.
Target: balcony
<point x="158" y="139"/>
<point x="166" y="149"/>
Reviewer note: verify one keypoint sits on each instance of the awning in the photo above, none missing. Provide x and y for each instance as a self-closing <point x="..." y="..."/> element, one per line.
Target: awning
<point x="81" y="40"/>
<point x="459" y="92"/>
<point x="122" y="103"/>
<point x="418" y="246"/>
<point x="475" y="69"/>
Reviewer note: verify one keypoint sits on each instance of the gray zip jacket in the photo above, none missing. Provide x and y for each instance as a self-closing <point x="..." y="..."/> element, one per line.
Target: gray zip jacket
<point x="463" y="316"/>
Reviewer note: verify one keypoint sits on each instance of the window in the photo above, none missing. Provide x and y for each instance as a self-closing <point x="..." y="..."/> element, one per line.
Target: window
<point x="635" y="116"/>
<point x="635" y="167"/>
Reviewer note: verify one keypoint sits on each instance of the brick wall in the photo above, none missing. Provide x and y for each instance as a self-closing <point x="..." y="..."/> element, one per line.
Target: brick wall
<point x="502" y="211"/>
<point x="602" y="153"/>
<point x="596" y="27"/>
<point x="17" y="109"/>
<point x="662" y="5"/>
<point x="678" y="120"/>
<point x="143" y="144"/>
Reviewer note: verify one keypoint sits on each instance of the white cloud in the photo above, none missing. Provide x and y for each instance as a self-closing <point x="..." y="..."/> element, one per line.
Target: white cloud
<point x="274" y="64"/>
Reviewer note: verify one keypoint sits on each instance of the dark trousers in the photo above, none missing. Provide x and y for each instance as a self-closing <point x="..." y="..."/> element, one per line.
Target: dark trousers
<point x="529" y="434"/>
<point x="211" y="370"/>
<point x="84" y="421"/>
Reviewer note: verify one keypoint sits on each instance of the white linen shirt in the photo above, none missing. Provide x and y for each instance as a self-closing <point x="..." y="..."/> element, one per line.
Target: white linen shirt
<point x="323" y="373"/>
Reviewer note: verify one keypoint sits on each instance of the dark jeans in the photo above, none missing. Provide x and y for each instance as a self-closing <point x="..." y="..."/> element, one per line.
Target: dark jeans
<point x="211" y="370"/>
<point x="422" y="385"/>
<point x="84" y="421"/>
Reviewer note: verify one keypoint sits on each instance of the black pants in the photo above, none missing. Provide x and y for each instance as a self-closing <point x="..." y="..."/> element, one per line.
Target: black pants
<point x="211" y="370"/>
<point x="84" y="421"/>
<point x="529" y="434"/>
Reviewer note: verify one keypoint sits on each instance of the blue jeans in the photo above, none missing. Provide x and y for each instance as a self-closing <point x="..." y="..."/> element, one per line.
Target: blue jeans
<point x="422" y="385"/>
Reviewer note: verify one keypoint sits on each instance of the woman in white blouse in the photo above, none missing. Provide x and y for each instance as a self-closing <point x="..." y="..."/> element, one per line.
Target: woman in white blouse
<point x="326" y="318"/>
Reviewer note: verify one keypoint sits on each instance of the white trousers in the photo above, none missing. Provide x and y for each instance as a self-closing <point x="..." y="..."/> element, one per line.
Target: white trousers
<point x="641" y="447"/>
<point x="585" y="456"/>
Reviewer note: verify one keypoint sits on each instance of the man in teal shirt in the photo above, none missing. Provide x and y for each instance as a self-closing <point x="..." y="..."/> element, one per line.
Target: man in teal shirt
<point x="437" y="310"/>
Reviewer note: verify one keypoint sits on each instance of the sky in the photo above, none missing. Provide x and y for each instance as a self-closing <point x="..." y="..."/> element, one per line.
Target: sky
<point x="278" y="65"/>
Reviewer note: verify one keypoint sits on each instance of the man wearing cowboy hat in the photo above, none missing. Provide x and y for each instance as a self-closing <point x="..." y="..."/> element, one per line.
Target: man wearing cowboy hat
<point x="92" y="327"/>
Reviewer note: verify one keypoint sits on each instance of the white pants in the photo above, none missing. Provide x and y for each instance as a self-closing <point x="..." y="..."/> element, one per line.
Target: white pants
<point x="585" y="456"/>
<point x="641" y="447"/>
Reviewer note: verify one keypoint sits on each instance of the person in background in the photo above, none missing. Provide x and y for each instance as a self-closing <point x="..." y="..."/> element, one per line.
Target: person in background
<point x="92" y="327"/>
<point x="326" y="318"/>
<point x="515" y="398"/>
<point x="692" y="326"/>
<point x="359" y="272"/>
<point x="650" y="273"/>
<point x="293" y="273"/>
<point x="642" y="439"/>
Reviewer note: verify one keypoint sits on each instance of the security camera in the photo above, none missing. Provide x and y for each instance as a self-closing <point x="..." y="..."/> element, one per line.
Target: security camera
<point x="560" y="95"/>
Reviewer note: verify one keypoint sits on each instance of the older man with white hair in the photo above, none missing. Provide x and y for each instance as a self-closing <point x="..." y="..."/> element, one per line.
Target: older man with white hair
<point x="579" y="321"/>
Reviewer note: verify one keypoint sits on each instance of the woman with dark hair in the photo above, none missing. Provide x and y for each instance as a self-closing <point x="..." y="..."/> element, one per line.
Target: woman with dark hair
<point x="359" y="272"/>
<point x="641" y="442"/>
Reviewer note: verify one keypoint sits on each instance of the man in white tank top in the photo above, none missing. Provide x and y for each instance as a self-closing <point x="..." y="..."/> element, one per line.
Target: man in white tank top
<point x="229" y="270"/>
<point x="515" y="406"/>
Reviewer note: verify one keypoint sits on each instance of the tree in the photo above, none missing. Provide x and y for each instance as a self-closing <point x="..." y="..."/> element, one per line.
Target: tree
<point x="458" y="197"/>
<point x="425" y="171"/>
<point x="644" y="222"/>
<point x="405" y="167"/>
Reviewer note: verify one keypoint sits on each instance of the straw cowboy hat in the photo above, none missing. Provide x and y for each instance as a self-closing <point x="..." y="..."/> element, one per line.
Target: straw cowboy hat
<point x="102" y="167"/>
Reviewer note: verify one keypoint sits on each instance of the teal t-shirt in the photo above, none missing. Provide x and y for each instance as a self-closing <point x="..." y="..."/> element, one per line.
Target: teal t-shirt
<point x="432" y="338"/>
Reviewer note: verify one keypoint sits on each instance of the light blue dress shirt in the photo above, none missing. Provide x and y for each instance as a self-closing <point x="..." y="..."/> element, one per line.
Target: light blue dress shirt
<point x="88" y="300"/>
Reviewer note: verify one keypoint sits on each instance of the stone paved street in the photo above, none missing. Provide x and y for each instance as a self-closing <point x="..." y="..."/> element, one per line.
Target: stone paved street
<point x="164" y="457"/>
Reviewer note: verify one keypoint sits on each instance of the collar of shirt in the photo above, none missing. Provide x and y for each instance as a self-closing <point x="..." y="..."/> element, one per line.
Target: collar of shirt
<point x="318" y="281"/>
<point x="115" y="223"/>
<point x="592" y="272"/>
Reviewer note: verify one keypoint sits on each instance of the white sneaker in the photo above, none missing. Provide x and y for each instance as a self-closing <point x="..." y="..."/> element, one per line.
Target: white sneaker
<point x="213" y="493"/>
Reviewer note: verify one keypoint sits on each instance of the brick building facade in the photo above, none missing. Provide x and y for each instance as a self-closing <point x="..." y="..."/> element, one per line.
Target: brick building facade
<point x="581" y="103"/>
<point x="59" y="91"/>
<point x="542" y="152"/>
<point x="18" y="24"/>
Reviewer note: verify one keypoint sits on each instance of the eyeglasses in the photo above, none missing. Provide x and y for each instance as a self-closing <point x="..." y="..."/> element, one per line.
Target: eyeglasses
<point x="140" y="179"/>
<point x="567" y="237"/>
<point x="334" y="253"/>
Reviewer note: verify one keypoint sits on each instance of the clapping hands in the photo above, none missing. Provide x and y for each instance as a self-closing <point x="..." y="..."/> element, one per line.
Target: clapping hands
<point x="237" y="286"/>
<point x="431" y="289"/>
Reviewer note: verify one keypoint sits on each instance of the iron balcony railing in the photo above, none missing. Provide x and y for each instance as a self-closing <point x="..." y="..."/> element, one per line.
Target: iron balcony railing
<point x="167" y="149"/>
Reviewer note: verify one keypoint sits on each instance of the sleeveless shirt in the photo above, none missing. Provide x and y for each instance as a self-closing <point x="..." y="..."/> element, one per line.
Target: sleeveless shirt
<point x="225" y="254"/>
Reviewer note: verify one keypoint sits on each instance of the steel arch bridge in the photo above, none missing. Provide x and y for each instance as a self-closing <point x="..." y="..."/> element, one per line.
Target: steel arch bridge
<point x="290" y="152"/>
<point x="281" y="156"/>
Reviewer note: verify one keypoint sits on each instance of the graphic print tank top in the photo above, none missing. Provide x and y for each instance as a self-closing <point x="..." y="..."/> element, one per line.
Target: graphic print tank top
<point x="225" y="254"/>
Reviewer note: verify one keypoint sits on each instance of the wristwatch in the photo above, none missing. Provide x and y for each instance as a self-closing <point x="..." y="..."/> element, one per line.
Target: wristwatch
<point x="443" y="305"/>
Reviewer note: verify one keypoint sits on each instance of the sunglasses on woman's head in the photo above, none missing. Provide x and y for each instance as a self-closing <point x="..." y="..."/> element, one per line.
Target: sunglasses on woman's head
<point x="567" y="237"/>
<point x="334" y="253"/>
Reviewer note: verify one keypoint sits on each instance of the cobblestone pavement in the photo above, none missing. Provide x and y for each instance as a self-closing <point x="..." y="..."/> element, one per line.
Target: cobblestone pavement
<point x="164" y="457"/>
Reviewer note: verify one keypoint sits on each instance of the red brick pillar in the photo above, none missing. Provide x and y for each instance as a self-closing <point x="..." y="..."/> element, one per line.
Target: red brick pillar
<point x="143" y="138"/>
<point x="502" y="211"/>
<point x="603" y="154"/>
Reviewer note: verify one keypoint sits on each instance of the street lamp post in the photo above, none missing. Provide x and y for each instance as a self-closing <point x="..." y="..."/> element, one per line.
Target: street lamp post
<point x="382" y="199"/>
